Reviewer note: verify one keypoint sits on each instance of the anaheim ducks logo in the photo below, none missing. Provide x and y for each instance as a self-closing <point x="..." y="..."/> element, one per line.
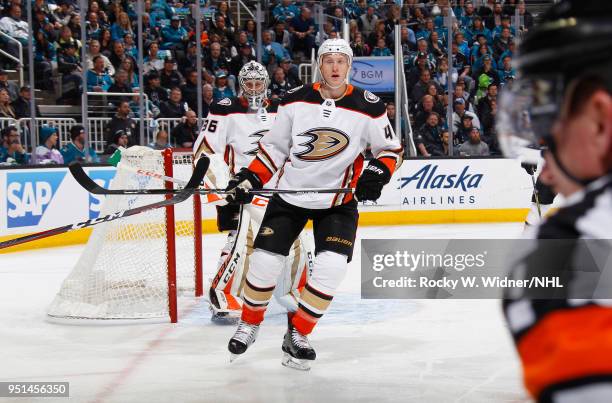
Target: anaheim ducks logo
<point x="323" y="143"/>
<point x="256" y="136"/>
<point x="266" y="231"/>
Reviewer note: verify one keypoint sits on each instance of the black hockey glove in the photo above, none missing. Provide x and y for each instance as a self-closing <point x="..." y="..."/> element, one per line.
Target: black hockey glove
<point x="370" y="183"/>
<point x="240" y="184"/>
<point x="529" y="167"/>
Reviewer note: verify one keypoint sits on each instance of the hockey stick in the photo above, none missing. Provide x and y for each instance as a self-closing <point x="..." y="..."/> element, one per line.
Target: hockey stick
<point x="195" y="180"/>
<point x="530" y="168"/>
<point x="92" y="187"/>
<point x="76" y="169"/>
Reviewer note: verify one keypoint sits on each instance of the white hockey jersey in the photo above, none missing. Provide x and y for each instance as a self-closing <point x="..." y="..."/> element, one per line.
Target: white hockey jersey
<point x="233" y="132"/>
<point x="320" y="143"/>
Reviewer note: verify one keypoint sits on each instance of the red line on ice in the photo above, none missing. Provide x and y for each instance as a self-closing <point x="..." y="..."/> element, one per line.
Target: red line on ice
<point x="120" y="379"/>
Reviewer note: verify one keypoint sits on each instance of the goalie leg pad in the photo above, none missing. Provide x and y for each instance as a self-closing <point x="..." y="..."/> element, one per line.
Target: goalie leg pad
<point x="298" y="265"/>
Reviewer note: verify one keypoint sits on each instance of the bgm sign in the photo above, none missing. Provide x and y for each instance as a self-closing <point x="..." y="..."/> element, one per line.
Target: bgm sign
<point x="374" y="74"/>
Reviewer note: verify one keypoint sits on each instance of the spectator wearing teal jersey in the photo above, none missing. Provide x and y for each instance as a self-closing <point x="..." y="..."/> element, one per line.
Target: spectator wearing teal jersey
<point x="462" y="45"/>
<point x="506" y="72"/>
<point x="427" y="30"/>
<point x="75" y="150"/>
<point x="131" y="48"/>
<point x="122" y="27"/>
<point x="160" y="10"/>
<point x="510" y="52"/>
<point x="505" y="23"/>
<point x="481" y="61"/>
<point x="45" y="56"/>
<point x="270" y="47"/>
<point x="11" y="150"/>
<point x="381" y="49"/>
<point x="222" y="90"/>
<point x="285" y="11"/>
<point x="174" y="36"/>
<point x="98" y="79"/>
<point x="465" y="14"/>
<point x="478" y="28"/>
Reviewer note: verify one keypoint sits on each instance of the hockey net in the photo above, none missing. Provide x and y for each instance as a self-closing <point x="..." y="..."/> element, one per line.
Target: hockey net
<point x="133" y="268"/>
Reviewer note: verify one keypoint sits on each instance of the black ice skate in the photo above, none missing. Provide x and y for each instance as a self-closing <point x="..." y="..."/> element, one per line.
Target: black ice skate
<point x="297" y="350"/>
<point x="245" y="336"/>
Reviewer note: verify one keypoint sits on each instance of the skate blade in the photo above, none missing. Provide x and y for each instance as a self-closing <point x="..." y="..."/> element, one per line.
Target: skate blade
<point x="294" y="363"/>
<point x="224" y="320"/>
<point x="233" y="357"/>
<point x="225" y="317"/>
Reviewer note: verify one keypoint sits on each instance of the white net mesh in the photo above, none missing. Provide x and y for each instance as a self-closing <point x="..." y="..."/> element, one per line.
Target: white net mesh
<point x="122" y="273"/>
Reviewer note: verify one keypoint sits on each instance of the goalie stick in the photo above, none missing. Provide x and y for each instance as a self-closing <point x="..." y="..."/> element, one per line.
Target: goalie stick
<point x="196" y="178"/>
<point x="92" y="187"/>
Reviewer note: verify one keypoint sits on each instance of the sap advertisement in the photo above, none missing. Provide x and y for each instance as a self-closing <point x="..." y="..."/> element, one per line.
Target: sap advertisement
<point x="374" y="74"/>
<point x="453" y="184"/>
<point x="43" y="198"/>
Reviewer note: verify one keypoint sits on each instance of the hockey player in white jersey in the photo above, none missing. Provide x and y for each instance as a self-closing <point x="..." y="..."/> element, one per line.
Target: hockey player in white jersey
<point x="229" y="137"/>
<point x="318" y="141"/>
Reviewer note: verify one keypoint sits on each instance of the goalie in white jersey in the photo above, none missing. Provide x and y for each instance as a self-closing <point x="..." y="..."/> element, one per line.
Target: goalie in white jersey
<point x="318" y="140"/>
<point x="230" y="137"/>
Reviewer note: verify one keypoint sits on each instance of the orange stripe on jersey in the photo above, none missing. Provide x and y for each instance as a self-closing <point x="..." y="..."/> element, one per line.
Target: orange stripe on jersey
<point x="357" y="168"/>
<point x="566" y="345"/>
<point x="261" y="170"/>
<point x="349" y="89"/>
<point x="226" y="155"/>
<point x="212" y="197"/>
<point x="389" y="162"/>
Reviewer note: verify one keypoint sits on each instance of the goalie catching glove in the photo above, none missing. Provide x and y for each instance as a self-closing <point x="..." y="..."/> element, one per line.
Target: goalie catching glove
<point x="240" y="185"/>
<point x="370" y="183"/>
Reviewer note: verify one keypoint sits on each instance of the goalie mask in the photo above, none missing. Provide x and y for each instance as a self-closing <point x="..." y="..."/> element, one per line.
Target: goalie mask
<point x="254" y="81"/>
<point x="570" y="48"/>
<point x="331" y="46"/>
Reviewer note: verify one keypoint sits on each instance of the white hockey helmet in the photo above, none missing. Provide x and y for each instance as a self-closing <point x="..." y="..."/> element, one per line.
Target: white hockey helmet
<point x="253" y="71"/>
<point x="337" y="45"/>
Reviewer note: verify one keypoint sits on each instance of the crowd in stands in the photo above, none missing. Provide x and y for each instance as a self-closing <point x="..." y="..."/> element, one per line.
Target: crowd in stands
<point x="483" y="45"/>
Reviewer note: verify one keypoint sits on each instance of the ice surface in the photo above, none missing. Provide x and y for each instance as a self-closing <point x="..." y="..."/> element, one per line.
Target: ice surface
<point x="367" y="350"/>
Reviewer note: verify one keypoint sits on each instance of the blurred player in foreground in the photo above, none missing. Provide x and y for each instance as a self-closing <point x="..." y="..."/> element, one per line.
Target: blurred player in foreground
<point x="562" y="100"/>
